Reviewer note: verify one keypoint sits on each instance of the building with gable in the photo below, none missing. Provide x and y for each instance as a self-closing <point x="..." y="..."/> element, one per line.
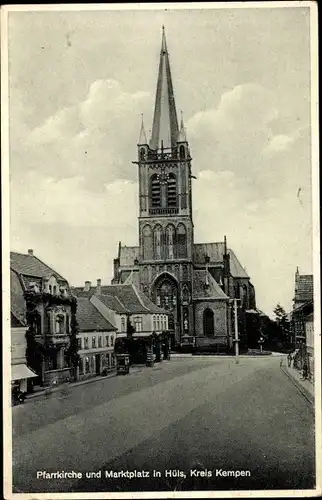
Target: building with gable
<point x="124" y="307"/>
<point x="42" y="302"/>
<point x="302" y="323"/>
<point x="95" y="338"/>
<point x="194" y="282"/>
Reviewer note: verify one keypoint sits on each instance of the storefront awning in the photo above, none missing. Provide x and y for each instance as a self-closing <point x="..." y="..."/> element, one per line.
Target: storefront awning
<point x="19" y="372"/>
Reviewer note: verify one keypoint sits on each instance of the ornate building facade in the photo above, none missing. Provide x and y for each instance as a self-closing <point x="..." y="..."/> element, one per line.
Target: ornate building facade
<point x="194" y="282"/>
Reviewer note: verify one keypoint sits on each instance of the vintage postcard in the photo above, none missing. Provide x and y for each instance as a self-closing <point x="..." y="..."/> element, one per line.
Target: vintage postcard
<point x="161" y="266"/>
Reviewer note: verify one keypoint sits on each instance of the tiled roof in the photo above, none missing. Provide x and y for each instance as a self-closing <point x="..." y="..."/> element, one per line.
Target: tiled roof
<point x="303" y="287"/>
<point x="133" y="300"/>
<point x="151" y="306"/>
<point x="89" y="318"/>
<point x="215" y="252"/>
<point x="128" y="256"/>
<point x="18" y="304"/>
<point x="129" y="299"/>
<point x="113" y="303"/>
<point x="132" y="279"/>
<point x="201" y="291"/>
<point x="30" y="265"/>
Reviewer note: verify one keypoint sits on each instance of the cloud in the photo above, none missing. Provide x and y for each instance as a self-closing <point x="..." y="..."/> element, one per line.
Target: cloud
<point x="94" y="139"/>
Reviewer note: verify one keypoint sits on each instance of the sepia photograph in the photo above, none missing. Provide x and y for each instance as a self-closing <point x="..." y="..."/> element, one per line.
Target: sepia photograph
<point x="161" y="258"/>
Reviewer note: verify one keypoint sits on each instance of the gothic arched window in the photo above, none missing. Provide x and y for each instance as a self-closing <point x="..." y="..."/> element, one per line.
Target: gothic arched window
<point x="147" y="242"/>
<point x="155" y="191"/>
<point x="157" y="242"/>
<point x="172" y="191"/>
<point x="182" y="152"/>
<point x="181" y="241"/>
<point x="208" y="323"/>
<point x="169" y="241"/>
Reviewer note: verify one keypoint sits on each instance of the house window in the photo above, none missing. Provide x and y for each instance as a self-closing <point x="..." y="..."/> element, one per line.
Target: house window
<point x="79" y="343"/>
<point x="138" y="324"/>
<point x="60" y="319"/>
<point x="99" y="341"/>
<point x="67" y="324"/>
<point x="93" y="342"/>
<point x="107" y="341"/>
<point x="85" y="342"/>
<point x="50" y="289"/>
<point x="154" y="323"/>
<point x="54" y="290"/>
<point x="123" y="325"/>
<point x="158" y="323"/>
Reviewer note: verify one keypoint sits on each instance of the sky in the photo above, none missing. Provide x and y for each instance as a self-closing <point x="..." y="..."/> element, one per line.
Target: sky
<point x="78" y="84"/>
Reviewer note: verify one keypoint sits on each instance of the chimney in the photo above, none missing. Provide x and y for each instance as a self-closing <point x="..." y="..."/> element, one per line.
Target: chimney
<point x="30" y="252"/>
<point x="99" y="286"/>
<point x="88" y="285"/>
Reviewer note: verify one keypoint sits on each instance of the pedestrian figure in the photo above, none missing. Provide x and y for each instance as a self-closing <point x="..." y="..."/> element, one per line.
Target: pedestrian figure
<point x="289" y="359"/>
<point x="305" y="371"/>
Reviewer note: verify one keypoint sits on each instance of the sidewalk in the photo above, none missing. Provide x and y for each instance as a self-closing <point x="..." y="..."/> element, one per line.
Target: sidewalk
<point x="42" y="392"/>
<point x="306" y="387"/>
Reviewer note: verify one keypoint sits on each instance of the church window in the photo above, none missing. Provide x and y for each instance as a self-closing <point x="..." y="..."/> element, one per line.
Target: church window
<point x="185" y="275"/>
<point x="155" y="191"/>
<point x="157" y="243"/>
<point x="147" y="242"/>
<point x="182" y="152"/>
<point x="181" y="241"/>
<point x="170" y="235"/>
<point x="208" y="323"/>
<point x="172" y="191"/>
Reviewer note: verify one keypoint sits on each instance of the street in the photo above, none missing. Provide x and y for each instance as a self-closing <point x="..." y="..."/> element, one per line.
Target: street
<point x="185" y="415"/>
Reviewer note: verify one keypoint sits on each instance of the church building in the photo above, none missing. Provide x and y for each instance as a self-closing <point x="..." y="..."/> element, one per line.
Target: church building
<point x="195" y="282"/>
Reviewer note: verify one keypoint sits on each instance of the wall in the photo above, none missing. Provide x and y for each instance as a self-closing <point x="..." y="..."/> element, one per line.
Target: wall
<point x="219" y="308"/>
<point x="18" y="345"/>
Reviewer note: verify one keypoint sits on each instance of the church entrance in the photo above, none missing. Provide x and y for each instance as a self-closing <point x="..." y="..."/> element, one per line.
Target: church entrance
<point x="165" y="295"/>
<point x="208" y="323"/>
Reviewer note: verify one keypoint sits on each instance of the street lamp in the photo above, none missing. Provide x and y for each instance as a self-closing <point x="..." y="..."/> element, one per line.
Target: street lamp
<point x="261" y="341"/>
<point x="234" y="302"/>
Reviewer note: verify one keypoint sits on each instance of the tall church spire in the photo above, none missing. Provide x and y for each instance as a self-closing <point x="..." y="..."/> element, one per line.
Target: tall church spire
<point x="165" y="128"/>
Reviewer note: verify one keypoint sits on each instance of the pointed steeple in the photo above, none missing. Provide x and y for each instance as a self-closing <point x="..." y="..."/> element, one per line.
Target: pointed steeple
<point x="165" y="128"/>
<point x="182" y="137"/>
<point x="142" y="139"/>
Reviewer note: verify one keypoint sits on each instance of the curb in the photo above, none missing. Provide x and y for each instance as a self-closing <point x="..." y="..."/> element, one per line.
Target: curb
<point x="30" y="398"/>
<point x="307" y="395"/>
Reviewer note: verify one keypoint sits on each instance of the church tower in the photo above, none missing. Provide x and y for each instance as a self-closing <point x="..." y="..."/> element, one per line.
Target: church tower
<point x="165" y="216"/>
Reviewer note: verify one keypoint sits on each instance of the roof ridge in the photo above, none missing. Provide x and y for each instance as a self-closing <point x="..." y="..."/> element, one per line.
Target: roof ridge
<point x="51" y="268"/>
<point x="139" y="298"/>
